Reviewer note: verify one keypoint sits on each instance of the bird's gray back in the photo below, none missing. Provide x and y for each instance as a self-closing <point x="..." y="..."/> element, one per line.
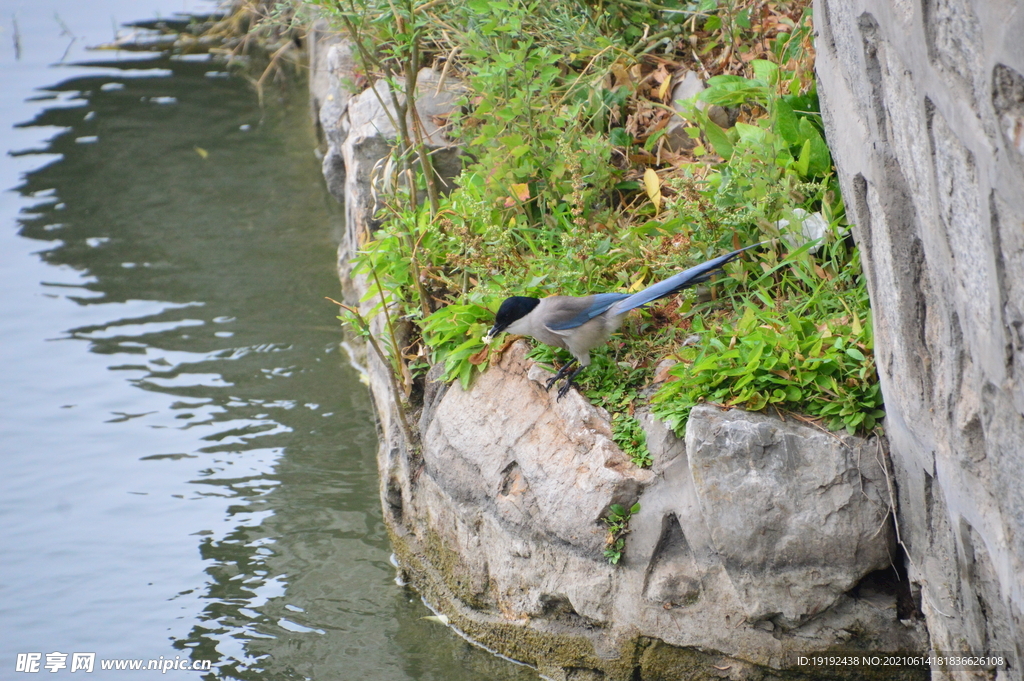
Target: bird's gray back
<point x="579" y="324"/>
<point x="571" y="312"/>
<point x="554" y="322"/>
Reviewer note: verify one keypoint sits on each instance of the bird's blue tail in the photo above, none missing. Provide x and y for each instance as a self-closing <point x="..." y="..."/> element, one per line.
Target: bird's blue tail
<point x="694" y="275"/>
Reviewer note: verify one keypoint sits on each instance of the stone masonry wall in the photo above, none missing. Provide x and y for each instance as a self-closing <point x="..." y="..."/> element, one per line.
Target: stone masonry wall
<point x="923" y="103"/>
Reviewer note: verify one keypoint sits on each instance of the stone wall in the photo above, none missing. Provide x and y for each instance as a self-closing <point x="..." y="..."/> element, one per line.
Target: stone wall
<point x="923" y="102"/>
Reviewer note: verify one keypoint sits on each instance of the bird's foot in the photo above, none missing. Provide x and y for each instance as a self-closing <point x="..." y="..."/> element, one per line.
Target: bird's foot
<point x="564" y="390"/>
<point x="569" y="382"/>
<point x="561" y="374"/>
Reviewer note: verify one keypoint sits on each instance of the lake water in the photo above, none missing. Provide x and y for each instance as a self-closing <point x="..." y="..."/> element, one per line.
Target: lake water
<point x="187" y="461"/>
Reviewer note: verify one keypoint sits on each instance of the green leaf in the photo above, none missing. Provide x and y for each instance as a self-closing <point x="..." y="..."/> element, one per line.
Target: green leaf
<point x="618" y="137"/>
<point x="765" y="71"/>
<point x="653" y="139"/>
<point x="719" y="140"/>
<point x="755" y="358"/>
<point x="751" y="134"/>
<point x="465" y="375"/>
<point x="786" y="123"/>
<point x="820" y="158"/>
<point x="757" y="402"/>
<point x="803" y="163"/>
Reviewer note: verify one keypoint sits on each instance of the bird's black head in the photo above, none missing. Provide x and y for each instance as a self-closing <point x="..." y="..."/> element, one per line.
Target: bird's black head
<point x="511" y="310"/>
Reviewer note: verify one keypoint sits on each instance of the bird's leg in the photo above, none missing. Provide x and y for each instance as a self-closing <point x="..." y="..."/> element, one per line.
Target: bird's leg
<point x="568" y="383"/>
<point x="560" y="374"/>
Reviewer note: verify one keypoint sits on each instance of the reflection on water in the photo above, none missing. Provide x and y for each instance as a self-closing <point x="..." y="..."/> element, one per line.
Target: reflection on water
<point x="174" y="383"/>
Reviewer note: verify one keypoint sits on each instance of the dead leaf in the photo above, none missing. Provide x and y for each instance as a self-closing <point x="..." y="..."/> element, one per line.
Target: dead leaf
<point x="664" y="374"/>
<point x="663" y="90"/>
<point x="643" y="157"/>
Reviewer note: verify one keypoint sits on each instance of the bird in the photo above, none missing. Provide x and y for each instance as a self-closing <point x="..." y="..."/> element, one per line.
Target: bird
<point x="579" y="324"/>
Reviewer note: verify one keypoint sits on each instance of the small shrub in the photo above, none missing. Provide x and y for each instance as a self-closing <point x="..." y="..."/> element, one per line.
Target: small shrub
<point x="617" y="521"/>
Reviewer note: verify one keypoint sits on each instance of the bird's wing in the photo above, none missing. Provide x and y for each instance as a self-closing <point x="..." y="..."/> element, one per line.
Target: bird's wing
<point x="567" y="312"/>
<point x="694" y="275"/>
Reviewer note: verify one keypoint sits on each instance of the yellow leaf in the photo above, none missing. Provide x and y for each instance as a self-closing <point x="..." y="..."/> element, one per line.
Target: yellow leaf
<point x="653" y="184"/>
<point x="521" y="191"/>
<point x="663" y="90"/>
<point x="639" y="283"/>
<point x="202" y="152"/>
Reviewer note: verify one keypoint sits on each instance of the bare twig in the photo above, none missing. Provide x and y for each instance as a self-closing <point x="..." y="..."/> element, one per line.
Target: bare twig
<point x="444" y="70"/>
<point x="392" y="379"/>
<point x="425" y="6"/>
<point x="273" y="64"/>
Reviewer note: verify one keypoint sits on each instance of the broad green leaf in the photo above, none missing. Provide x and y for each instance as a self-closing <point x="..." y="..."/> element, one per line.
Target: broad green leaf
<point x="751" y="134"/>
<point x="765" y="71"/>
<point x="719" y="140"/>
<point x="786" y="123"/>
<point x="820" y="158"/>
<point x="803" y="163"/>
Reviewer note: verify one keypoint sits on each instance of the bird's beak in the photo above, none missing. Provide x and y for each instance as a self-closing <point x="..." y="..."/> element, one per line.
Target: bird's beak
<point x="492" y="334"/>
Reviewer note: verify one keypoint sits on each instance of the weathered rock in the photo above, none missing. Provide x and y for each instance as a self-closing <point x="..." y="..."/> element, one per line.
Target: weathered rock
<point x="501" y="522"/>
<point x="370" y="136"/>
<point x="688" y="86"/>
<point x="547" y="468"/>
<point x="359" y="130"/>
<point x="332" y="69"/>
<point x="924" y="109"/>
<point x="797" y="515"/>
